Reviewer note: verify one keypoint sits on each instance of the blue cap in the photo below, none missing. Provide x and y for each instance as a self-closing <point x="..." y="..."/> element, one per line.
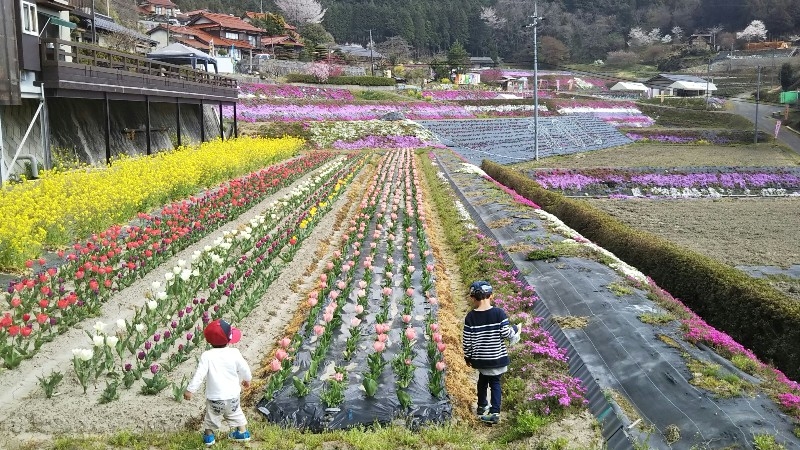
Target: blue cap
<point x="480" y="290"/>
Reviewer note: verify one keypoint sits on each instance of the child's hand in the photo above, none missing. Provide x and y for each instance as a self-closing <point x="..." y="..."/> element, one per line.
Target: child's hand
<point x="187" y="395"/>
<point x="245" y="384"/>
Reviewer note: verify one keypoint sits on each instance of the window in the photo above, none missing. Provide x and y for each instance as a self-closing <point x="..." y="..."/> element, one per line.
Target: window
<point x="229" y="35"/>
<point x="30" y="24"/>
<point x="252" y="39"/>
<point x="159" y="10"/>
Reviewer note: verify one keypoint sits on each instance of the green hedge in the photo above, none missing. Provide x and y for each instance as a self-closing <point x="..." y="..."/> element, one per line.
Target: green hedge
<point x="748" y="309"/>
<point x="357" y="81"/>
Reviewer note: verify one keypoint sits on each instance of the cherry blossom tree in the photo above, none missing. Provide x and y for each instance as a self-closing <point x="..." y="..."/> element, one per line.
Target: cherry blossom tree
<point x="756" y="30"/>
<point x="489" y="15"/>
<point x="640" y="38"/>
<point x="302" y="11"/>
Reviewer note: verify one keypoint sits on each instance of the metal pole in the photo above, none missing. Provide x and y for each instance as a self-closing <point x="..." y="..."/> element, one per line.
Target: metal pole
<point x="371" y="63"/>
<point x="758" y="97"/>
<point x="147" y="130"/>
<point x="107" y="131"/>
<point x="535" y="82"/>
<point x="178" y="118"/>
<point x="708" y="76"/>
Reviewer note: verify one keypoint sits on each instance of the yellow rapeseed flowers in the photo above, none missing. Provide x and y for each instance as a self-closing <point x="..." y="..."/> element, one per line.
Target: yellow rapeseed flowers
<point x="64" y="207"/>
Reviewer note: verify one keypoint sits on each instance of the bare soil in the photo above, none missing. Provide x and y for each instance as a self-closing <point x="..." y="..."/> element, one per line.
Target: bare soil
<point x="667" y="156"/>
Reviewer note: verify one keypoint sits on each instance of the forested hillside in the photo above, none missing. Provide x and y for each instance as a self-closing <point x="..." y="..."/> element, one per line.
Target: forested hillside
<point x="588" y="29"/>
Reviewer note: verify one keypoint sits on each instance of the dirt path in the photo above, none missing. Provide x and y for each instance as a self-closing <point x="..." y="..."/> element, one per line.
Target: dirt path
<point x="28" y="415"/>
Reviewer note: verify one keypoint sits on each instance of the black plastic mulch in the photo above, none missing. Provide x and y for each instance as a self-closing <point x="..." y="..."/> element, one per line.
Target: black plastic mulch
<point x="616" y="351"/>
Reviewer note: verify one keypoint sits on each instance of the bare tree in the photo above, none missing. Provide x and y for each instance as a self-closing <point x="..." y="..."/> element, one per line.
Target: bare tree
<point x="302" y="11"/>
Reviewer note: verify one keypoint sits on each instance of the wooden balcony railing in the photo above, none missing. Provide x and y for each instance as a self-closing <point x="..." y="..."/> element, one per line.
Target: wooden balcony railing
<point x="60" y="53"/>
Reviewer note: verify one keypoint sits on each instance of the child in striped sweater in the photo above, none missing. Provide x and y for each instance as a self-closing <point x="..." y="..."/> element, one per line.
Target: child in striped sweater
<point x="485" y="328"/>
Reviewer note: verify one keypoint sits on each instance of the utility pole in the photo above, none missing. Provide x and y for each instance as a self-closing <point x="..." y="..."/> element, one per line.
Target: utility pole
<point x="371" y="63"/>
<point x="708" y="76"/>
<point x="535" y="25"/>
<point x="758" y="97"/>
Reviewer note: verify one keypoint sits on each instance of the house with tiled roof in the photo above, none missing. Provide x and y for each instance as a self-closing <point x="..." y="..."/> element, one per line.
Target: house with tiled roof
<point x="158" y="8"/>
<point x="230" y="28"/>
<point x="197" y="38"/>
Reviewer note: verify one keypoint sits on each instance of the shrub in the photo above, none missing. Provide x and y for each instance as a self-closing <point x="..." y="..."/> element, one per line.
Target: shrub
<point x="358" y="81"/>
<point x="621" y="59"/>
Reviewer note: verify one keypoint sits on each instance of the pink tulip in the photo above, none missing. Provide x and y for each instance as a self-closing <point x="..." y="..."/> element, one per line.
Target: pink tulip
<point x="441" y="346"/>
<point x="361" y="293"/>
<point x="411" y="334"/>
<point x="362" y="284"/>
<point x="379" y="328"/>
<point x="341" y="285"/>
<point x="437" y="337"/>
<point x="275" y="365"/>
<point x="323" y="277"/>
<point x="355" y="321"/>
<point x="426" y="252"/>
<point x="333" y="295"/>
<point x="337" y="254"/>
<point x="406" y="318"/>
<point x="312" y="302"/>
<point x="356" y="252"/>
<point x="327" y="317"/>
<point x="411" y="269"/>
<point x="359" y="309"/>
<point x="433" y="301"/>
<point x="281" y="354"/>
<point x="338" y="376"/>
<point x="390" y="260"/>
<point x="429" y="267"/>
<point x="346" y="268"/>
<point x="434" y="327"/>
<point x="410" y="292"/>
<point x="383" y="337"/>
<point x="387" y="291"/>
<point x="329" y="266"/>
<point x="379" y="346"/>
<point x="284" y="343"/>
<point x="367" y="264"/>
<point x="319" y="329"/>
<point x="440" y="366"/>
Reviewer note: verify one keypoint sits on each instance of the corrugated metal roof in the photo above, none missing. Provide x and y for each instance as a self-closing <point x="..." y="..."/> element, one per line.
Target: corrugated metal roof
<point x="110" y="25"/>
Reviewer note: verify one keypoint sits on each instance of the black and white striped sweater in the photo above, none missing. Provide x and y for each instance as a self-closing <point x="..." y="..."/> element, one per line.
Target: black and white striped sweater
<point x="483" y="336"/>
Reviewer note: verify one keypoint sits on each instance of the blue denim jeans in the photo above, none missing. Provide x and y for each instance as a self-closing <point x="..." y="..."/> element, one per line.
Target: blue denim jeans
<point x="491" y="383"/>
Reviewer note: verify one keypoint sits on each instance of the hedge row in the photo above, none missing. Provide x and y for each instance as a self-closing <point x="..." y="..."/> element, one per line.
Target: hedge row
<point x="710" y="135"/>
<point x="358" y="81"/>
<point x="750" y="310"/>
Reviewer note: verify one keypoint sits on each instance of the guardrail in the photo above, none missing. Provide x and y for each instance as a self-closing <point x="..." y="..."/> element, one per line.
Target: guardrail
<point x="57" y="52"/>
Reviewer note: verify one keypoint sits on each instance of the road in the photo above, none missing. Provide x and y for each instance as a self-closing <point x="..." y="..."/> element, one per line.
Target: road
<point x="766" y="123"/>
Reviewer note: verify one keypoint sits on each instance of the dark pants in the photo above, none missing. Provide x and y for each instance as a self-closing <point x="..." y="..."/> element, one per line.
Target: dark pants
<point x="492" y="383"/>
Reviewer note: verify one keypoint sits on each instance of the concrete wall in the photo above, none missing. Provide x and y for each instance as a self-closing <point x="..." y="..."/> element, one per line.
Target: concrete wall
<point x="15" y="120"/>
<point x="78" y="127"/>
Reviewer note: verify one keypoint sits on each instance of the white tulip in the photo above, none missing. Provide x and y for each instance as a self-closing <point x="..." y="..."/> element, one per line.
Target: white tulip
<point x="121" y="324"/>
<point x="196" y="255"/>
<point x="99" y="326"/>
<point x="83" y="354"/>
<point x="98" y="340"/>
<point x="207" y="248"/>
<point x="196" y="273"/>
<point x="152" y="304"/>
<point x="169" y="276"/>
<point x="156" y="285"/>
<point x="181" y="262"/>
<point x="111" y="341"/>
<point x="140" y="327"/>
<point x="177" y="269"/>
<point x="161" y="295"/>
<point x="186" y="274"/>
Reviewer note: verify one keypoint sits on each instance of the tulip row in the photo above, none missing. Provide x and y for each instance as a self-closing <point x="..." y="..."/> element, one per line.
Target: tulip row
<point x="55" y="299"/>
<point x="389" y="209"/>
<point x="228" y="278"/>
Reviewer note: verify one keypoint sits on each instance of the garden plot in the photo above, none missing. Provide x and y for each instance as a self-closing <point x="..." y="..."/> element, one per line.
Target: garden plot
<point x="668" y="386"/>
<point x="672" y="183"/>
<point x="508" y="141"/>
<point x="119" y="366"/>
<point x="370" y="350"/>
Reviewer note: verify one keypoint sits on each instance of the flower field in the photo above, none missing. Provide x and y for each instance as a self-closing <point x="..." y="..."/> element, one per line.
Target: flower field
<point x="344" y="263"/>
<point x="620" y="183"/>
